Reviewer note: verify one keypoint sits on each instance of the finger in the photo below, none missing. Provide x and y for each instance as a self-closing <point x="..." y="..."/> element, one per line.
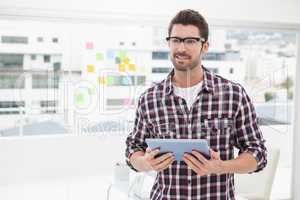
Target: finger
<point x="153" y="153"/>
<point x="161" y="158"/>
<point x="148" y="150"/>
<point x="163" y="164"/>
<point x="200" y="157"/>
<point x="194" y="167"/>
<point x="194" y="160"/>
<point x="167" y="165"/>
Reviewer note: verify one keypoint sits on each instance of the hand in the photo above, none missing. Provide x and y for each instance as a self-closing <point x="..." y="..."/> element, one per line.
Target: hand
<point x="199" y="164"/>
<point x="159" y="163"/>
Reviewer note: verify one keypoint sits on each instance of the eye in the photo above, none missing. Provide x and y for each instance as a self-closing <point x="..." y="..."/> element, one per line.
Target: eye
<point x="175" y="40"/>
<point x="190" y="41"/>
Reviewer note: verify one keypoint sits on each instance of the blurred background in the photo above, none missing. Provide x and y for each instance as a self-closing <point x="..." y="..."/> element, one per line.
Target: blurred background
<point x="71" y="73"/>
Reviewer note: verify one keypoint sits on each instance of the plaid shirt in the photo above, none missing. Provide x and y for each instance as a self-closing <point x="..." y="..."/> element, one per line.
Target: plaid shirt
<point x="222" y="114"/>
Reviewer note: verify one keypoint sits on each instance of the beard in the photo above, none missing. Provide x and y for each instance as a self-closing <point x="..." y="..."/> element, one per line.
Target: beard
<point x="185" y="64"/>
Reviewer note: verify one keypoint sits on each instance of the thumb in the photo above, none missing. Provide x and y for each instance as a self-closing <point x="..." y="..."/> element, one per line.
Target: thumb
<point x="148" y="150"/>
<point x="214" y="154"/>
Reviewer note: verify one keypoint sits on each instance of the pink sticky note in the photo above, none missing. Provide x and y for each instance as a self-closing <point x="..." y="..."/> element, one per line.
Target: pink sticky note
<point x="89" y="45"/>
<point x="126" y="101"/>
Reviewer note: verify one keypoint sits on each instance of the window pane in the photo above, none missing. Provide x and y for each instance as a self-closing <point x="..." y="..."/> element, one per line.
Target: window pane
<point x="160" y="55"/>
<point x="14" y="40"/>
<point x="11" y="61"/>
<point x="44" y="81"/>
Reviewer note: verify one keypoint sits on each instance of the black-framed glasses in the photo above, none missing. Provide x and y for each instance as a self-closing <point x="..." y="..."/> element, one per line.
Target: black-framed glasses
<point x="188" y="41"/>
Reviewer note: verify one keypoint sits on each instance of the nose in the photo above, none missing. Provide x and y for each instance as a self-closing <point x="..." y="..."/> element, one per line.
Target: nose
<point x="181" y="47"/>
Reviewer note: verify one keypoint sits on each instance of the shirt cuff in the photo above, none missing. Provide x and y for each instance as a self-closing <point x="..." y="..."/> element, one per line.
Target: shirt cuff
<point x="260" y="157"/>
<point x="129" y="153"/>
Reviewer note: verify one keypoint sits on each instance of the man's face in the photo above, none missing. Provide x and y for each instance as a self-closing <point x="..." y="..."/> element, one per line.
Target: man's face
<point x="185" y="55"/>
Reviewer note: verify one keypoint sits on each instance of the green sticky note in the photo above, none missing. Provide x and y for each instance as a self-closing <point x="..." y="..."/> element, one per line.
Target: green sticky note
<point x="110" y="80"/>
<point x="99" y="56"/>
<point x="79" y="98"/>
<point x="122" y="54"/>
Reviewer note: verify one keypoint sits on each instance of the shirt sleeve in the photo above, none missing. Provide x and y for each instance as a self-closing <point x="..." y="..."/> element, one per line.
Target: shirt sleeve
<point x="136" y="139"/>
<point x="248" y="134"/>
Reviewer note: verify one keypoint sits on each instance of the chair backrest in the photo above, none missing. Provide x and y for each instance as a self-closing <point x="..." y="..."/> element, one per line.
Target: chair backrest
<point x="258" y="185"/>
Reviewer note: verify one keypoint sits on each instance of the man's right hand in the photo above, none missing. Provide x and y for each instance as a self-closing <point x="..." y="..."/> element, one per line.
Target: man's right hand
<point x="155" y="162"/>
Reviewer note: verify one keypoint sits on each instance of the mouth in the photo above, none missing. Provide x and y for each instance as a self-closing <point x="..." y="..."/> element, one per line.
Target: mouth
<point x="181" y="57"/>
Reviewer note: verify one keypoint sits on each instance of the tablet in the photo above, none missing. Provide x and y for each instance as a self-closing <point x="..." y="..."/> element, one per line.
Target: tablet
<point x="179" y="146"/>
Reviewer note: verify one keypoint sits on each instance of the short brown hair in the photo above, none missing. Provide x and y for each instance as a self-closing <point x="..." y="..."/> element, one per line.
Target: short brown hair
<point x="191" y="17"/>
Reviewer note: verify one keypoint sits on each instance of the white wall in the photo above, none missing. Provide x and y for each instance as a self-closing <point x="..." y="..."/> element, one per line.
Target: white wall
<point x="23" y="160"/>
<point x="252" y="10"/>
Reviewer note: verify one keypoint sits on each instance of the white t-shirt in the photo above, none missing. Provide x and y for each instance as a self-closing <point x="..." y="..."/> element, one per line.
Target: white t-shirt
<point x="189" y="94"/>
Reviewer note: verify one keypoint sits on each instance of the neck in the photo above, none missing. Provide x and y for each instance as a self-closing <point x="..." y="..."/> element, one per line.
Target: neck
<point x="187" y="78"/>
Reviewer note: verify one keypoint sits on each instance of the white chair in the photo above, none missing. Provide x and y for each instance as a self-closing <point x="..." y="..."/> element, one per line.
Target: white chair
<point x="258" y="186"/>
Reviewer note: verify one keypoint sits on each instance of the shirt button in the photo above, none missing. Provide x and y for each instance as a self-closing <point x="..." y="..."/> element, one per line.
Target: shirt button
<point x="189" y="181"/>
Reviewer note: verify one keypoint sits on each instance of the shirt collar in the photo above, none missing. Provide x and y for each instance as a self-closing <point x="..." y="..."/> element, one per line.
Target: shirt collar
<point x="208" y="84"/>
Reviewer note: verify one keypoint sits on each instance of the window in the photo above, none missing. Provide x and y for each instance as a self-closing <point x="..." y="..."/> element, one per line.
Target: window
<point x="214" y="56"/>
<point x="43" y="81"/>
<point x="48" y="107"/>
<point x="160" y="55"/>
<point x="12" y="81"/>
<point x="156" y="70"/>
<point x="56" y="66"/>
<point x="48" y="103"/>
<point x="55" y="40"/>
<point x="10" y="107"/>
<point x="47" y="58"/>
<point x="118" y="103"/>
<point x="33" y="57"/>
<point x="141" y="80"/>
<point x="14" y="40"/>
<point x="11" y="61"/>
<point x="214" y="70"/>
<point x="40" y="39"/>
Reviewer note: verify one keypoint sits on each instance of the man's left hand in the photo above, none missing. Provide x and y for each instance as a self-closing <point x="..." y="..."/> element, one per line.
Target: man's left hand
<point x="199" y="164"/>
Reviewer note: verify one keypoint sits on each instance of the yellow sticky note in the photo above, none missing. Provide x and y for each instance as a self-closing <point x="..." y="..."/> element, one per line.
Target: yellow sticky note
<point x="122" y="67"/>
<point x="126" y="60"/>
<point x="102" y="80"/>
<point x="90" y="69"/>
<point x="132" y="67"/>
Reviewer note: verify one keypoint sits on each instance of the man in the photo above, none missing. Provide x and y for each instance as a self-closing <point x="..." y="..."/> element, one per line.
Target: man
<point x="194" y="103"/>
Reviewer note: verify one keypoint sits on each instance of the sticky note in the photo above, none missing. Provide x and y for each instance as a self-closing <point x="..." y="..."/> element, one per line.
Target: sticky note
<point x="122" y="67"/>
<point x="79" y="98"/>
<point x="99" y="56"/>
<point x="102" y="80"/>
<point x="89" y="45"/>
<point x="110" y="80"/>
<point x="132" y="67"/>
<point x="122" y="54"/>
<point x="126" y="60"/>
<point x="126" y="101"/>
<point x="110" y="54"/>
<point x="126" y="81"/>
<point x="90" y="69"/>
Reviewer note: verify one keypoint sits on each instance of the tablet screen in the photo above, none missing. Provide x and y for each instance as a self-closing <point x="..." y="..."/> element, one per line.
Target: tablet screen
<point x="179" y="146"/>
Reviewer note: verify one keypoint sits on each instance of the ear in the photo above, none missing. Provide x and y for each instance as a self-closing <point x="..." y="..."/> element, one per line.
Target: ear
<point x="205" y="47"/>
